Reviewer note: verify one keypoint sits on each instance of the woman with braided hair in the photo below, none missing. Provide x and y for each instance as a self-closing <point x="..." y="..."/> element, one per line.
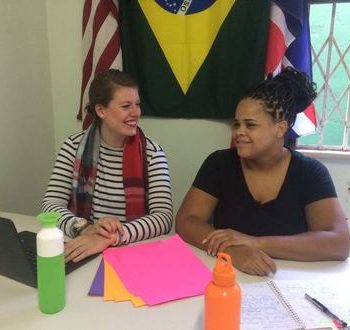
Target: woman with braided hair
<point x="261" y="200"/>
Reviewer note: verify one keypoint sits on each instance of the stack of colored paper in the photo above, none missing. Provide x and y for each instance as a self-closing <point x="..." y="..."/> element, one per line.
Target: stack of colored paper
<point x="150" y="273"/>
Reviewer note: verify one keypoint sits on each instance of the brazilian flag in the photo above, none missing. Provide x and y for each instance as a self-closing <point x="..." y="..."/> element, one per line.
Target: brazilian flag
<point x="193" y="58"/>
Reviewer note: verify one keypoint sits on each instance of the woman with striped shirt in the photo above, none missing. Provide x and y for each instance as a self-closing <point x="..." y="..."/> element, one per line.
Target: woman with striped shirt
<point x="110" y="183"/>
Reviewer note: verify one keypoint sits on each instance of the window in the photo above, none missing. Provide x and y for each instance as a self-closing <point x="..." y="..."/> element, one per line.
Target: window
<point x="330" y="42"/>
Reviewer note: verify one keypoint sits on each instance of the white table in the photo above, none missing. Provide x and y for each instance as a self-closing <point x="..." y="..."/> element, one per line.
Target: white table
<point x="19" y="308"/>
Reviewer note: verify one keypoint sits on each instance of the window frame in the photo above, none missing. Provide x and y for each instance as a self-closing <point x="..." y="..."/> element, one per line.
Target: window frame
<point x="341" y="151"/>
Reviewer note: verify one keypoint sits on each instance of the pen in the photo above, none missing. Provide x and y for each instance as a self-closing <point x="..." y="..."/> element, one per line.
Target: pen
<point x="337" y="321"/>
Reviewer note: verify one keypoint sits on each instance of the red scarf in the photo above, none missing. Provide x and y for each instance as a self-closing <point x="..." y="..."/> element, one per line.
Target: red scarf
<point x="135" y="176"/>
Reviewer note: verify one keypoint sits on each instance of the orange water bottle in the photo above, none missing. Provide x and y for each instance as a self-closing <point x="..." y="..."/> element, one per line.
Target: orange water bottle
<point x="223" y="297"/>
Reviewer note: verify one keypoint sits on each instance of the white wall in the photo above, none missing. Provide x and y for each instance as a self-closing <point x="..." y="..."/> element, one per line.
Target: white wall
<point x="186" y="142"/>
<point x="64" y="20"/>
<point x="26" y="117"/>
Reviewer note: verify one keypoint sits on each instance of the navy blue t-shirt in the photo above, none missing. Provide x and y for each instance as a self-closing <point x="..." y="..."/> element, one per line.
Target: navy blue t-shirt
<point x="307" y="180"/>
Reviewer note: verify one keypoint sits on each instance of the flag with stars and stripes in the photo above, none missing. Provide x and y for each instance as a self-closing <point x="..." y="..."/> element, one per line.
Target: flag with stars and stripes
<point x="101" y="45"/>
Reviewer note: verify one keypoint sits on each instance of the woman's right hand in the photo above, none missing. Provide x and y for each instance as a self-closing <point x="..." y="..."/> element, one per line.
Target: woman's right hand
<point x="86" y="245"/>
<point x="106" y="227"/>
<point x="251" y="260"/>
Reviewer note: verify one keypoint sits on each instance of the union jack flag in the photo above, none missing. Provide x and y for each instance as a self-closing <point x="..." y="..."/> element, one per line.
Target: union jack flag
<point x="289" y="45"/>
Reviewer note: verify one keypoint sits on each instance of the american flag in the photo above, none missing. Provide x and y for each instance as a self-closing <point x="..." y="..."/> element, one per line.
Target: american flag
<point x="289" y="45"/>
<point x="101" y="45"/>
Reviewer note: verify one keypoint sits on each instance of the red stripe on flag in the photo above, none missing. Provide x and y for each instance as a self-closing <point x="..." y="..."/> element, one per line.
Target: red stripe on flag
<point x="106" y="59"/>
<point x="100" y="15"/>
<point x="276" y="48"/>
<point x="113" y="9"/>
<point x="96" y="14"/>
<point x="86" y="13"/>
<point x="310" y="112"/>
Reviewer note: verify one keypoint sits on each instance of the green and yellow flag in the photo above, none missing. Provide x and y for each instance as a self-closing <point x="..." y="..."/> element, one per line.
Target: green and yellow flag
<point x="193" y="58"/>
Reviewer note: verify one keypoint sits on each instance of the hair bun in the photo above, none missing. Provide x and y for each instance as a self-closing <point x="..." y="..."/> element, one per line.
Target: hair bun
<point x="302" y="88"/>
<point x="285" y="95"/>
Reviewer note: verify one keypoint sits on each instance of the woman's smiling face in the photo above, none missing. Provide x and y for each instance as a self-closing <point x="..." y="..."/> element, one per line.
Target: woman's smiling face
<point x="120" y="117"/>
<point x="255" y="131"/>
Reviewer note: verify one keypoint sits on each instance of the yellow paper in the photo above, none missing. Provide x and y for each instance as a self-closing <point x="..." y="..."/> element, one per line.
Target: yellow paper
<point x="114" y="288"/>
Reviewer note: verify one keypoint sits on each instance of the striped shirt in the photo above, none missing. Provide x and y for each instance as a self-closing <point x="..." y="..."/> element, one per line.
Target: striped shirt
<point x="108" y="197"/>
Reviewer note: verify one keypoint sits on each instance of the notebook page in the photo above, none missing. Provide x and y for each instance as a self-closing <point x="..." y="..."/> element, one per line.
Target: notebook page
<point x="262" y="310"/>
<point x="330" y="293"/>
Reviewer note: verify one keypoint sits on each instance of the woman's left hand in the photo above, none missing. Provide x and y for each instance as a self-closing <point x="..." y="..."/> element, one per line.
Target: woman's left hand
<point x="218" y="240"/>
<point x="105" y="226"/>
<point x="86" y="245"/>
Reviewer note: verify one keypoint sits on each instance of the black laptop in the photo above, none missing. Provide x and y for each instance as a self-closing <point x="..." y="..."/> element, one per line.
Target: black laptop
<point x="18" y="254"/>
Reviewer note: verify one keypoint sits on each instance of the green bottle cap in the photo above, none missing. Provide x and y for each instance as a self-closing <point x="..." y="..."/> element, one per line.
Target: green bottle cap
<point x="49" y="219"/>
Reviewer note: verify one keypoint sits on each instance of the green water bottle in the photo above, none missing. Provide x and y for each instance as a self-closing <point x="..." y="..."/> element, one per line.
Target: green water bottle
<point x="50" y="264"/>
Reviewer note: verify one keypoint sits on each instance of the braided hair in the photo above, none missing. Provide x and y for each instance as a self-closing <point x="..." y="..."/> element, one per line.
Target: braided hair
<point x="285" y="95"/>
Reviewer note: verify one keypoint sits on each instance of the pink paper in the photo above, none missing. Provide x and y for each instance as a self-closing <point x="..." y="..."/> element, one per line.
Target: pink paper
<point x="160" y="271"/>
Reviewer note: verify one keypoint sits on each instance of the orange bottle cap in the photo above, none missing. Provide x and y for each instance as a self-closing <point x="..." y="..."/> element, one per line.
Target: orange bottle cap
<point x="224" y="273"/>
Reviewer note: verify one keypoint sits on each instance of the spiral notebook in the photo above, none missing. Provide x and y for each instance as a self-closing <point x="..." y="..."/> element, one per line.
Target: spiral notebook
<point x="276" y="305"/>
